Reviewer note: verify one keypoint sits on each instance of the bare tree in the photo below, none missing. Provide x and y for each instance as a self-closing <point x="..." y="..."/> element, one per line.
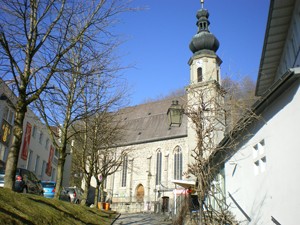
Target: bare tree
<point x="239" y="97"/>
<point x="34" y="37"/>
<point x="175" y="93"/>
<point x="95" y="156"/>
<point x="81" y="90"/>
<point x="209" y="113"/>
<point x="108" y="158"/>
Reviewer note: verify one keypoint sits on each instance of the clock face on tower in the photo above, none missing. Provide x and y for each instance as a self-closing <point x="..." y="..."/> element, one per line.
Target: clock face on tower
<point x="199" y="63"/>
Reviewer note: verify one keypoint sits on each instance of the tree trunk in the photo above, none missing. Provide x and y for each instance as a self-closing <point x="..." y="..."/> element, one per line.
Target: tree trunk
<point x="60" y="170"/>
<point x="102" y="191"/>
<point x="86" y="189"/>
<point x="13" y="155"/>
<point x="97" y="194"/>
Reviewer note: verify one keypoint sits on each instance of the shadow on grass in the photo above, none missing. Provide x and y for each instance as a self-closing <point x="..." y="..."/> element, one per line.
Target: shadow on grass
<point x="58" y="209"/>
<point x="16" y="216"/>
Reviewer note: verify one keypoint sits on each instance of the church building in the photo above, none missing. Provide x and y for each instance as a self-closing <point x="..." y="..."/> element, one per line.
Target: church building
<point x="152" y="176"/>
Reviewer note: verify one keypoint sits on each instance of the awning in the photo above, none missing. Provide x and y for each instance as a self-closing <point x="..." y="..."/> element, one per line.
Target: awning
<point x="185" y="183"/>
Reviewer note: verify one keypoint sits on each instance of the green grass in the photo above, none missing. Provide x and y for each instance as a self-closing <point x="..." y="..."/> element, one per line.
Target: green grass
<point x="18" y="208"/>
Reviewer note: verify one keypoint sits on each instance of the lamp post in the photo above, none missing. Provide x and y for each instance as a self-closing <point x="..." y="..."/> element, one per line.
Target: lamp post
<point x="175" y="113"/>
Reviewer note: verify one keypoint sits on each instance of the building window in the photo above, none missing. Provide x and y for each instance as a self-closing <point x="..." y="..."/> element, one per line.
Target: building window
<point x="53" y="177"/>
<point x="259" y="158"/>
<point x="158" y="167"/>
<point x="3" y="152"/>
<point x="8" y="115"/>
<point x="34" y="131"/>
<point x="37" y="161"/>
<point x="177" y="163"/>
<point x="199" y="74"/>
<point x="124" y="170"/>
<point x="41" y="137"/>
<point x="29" y="161"/>
<point x="149" y="164"/>
<point x="47" y="144"/>
<point x="56" y="154"/>
<point x="43" y="168"/>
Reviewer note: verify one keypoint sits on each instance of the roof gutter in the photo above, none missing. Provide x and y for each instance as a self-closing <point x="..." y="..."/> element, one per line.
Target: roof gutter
<point x="276" y="89"/>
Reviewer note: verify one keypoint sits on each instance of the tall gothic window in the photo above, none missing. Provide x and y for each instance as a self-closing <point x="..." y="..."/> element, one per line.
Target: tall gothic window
<point x="177" y="163"/>
<point x="158" y="167"/>
<point x="124" y="170"/>
<point x="199" y="74"/>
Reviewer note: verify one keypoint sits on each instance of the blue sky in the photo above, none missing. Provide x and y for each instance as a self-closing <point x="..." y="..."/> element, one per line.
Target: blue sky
<point x="157" y="42"/>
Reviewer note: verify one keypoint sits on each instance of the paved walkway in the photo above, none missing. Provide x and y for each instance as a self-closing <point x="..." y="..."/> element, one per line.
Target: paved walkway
<point x="142" y="219"/>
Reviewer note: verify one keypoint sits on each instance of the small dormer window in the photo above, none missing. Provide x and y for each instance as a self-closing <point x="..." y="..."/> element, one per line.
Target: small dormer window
<point x="199" y="74"/>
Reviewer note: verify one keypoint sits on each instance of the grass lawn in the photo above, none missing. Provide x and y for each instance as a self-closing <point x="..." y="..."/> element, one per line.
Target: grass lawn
<point x="19" y="208"/>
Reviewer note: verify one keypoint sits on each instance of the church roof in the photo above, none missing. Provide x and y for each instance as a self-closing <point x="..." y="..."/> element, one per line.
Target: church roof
<point x="149" y="122"/>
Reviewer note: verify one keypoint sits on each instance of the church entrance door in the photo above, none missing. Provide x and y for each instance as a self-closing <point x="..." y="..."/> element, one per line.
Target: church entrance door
<point x="140" y="192"/>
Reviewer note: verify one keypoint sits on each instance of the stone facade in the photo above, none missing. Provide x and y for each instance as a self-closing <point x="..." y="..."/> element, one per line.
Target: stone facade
<point x="142" y="172"/>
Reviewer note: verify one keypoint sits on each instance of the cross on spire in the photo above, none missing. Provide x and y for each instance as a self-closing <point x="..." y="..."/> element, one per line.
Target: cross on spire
<point x="202" y="3"/>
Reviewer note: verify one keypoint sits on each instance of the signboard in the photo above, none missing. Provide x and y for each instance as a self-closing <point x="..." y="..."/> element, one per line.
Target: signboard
<point x="5" y="132"/>
<point x="181" y="191"/>
<point x="26" y="141"/>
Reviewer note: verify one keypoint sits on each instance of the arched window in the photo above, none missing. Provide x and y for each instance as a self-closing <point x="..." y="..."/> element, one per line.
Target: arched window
<point x="124" y="170"/>
<point x="199" y="74"/>
<point x="158" y="167"/>
<point x="177" y="163"/>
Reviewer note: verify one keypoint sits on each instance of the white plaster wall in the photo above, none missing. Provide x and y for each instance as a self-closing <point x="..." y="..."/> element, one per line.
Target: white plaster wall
<point x="275" y="191"/>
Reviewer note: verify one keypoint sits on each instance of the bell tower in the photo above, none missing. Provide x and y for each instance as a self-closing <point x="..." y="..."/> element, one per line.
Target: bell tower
<point x="204" y="93"/>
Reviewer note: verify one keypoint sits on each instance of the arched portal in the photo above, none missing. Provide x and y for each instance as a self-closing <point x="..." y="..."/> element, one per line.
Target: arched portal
<point x="140" y="193"/>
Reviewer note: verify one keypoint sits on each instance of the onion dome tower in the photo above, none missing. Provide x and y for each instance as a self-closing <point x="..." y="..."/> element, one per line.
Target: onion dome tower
<point x="205" y="64"/>
<point x="203" y="40"/>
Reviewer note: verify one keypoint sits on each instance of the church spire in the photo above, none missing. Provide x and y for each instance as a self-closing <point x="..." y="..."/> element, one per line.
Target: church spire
<point x="203" y="40"/>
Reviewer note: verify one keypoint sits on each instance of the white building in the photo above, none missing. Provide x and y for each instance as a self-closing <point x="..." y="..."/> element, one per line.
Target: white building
<point x="262" y="174"/>
<point x="37" y="152"/>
